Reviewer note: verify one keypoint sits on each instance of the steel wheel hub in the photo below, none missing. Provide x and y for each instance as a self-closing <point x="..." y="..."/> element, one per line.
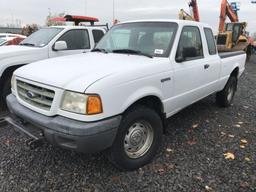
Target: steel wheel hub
<point x="138" y="139"/>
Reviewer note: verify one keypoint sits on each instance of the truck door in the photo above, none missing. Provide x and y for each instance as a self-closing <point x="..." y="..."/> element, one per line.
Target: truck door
<point x="77" y="41"/>
<point x="213" y="64"/>
<point x="189" y="69"/>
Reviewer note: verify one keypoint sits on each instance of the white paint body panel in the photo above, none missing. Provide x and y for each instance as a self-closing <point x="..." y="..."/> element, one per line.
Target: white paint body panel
<point x="122" y="79"/>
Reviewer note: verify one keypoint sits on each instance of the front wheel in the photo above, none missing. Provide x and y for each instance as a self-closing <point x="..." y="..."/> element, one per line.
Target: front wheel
<point x="225" y="97"/>
<point x="137" y="140"/>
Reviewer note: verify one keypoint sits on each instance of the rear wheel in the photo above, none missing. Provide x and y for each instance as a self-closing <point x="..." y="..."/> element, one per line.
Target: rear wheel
<point x="137" y="140"/>
<point x="225" y="97"/>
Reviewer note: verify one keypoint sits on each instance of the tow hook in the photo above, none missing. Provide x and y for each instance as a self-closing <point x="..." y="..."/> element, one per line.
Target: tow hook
<point x="34" y="143"/>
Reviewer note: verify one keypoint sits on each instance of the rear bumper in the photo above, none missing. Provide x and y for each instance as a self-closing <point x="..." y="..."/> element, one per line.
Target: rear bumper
<point x="86" y="137"/>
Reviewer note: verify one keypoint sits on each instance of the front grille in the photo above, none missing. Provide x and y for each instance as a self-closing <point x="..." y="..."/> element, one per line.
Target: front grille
<point x="221" y="39"/>
<point x="35" y="95"/>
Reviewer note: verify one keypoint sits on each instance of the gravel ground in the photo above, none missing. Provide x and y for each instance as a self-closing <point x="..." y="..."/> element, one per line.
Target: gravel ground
<point x="191" y="159"/>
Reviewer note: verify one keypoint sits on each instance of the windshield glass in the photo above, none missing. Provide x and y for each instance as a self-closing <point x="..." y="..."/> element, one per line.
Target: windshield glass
<point x="152" y="38"/>
<point x="229" y="27"/>
<point x="2" y="41"/>
<point x="42" y="37"/>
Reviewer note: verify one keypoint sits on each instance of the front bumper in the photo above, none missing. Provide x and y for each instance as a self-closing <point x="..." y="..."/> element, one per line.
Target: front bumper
<point x="86" y="137"/>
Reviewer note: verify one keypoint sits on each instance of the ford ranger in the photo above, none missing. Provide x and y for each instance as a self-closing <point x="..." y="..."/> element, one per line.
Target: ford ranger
<point x="46" y="43"/>
<point x="116" y="98"/>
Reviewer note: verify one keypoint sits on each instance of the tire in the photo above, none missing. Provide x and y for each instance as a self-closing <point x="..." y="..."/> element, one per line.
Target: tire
<point x="225" y="97"/>
<point x="5" y="91"/>
<point x="137" y="140"/>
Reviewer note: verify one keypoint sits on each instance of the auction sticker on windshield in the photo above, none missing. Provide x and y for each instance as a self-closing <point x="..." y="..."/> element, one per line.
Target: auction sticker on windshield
<point x="159" y="51"/>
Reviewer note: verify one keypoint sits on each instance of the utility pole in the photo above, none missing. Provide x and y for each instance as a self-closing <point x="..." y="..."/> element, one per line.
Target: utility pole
<point x="114" y="17"/>
<point x="85" y="7"/>
<point x="49" y="12"/>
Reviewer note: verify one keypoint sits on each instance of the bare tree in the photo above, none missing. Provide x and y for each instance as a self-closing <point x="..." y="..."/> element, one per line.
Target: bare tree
<point x="50" y="23"/>
<point x="29" y="29"/>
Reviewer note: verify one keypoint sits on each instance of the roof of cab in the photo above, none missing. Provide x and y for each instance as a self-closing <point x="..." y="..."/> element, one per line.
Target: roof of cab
<point x="180" y="22"/>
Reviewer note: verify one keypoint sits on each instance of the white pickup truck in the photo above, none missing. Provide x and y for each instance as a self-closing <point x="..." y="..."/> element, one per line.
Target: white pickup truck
<point x="117" y="97"/>
<point x="46" y="43"/>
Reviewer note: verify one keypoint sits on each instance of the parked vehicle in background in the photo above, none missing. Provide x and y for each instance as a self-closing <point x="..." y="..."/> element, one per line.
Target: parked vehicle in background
<point x="117" y="97"/>
<point x="45" y="43"/>
<point x="254" y="44"/>
<point x="10" y="36"/>
<point x="12" y="39"/>
<point x="2" y="42"/>
<point x="15" y="41"/>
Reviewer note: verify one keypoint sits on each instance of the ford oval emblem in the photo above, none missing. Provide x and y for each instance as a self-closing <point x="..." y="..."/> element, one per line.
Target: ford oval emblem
<point x="31" y="95"/>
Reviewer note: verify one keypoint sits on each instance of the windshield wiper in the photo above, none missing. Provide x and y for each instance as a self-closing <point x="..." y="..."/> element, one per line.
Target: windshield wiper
<point x="28" y="44"/>
<point x="99" y="50"/>
<point x="131" y="51"/>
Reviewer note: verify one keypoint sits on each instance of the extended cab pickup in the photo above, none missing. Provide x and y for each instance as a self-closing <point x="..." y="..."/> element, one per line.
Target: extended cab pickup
<point x="117" y="97"/>
<point x="46" y="43"/>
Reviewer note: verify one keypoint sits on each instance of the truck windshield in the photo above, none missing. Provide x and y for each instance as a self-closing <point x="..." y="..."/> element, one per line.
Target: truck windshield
<point x="41" y="37"/>
<point x="153" y="39"/>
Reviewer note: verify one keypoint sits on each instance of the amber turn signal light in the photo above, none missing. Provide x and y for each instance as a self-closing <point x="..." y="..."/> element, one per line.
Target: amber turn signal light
<point x="94" y="105"/>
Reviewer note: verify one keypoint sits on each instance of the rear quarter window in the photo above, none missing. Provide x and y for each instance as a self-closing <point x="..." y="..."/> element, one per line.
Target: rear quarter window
<point x="97" y="35"/>
<point x="210" y="41"/>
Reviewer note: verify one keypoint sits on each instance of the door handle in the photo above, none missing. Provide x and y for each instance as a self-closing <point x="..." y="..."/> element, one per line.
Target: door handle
<point x="206" y="66"/>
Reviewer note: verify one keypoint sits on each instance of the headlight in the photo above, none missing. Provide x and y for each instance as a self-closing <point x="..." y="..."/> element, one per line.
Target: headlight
<point x="13" y="82"/>
<point x="81" y="103"/>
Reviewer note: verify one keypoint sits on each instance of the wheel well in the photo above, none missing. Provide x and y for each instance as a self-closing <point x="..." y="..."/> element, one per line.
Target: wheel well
<point x="7" y="73"/>
<point x="153" y="102"/>
<point x="235" y="72"/>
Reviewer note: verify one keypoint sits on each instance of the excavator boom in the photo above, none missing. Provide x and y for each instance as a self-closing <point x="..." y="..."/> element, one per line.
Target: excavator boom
<point x="183" y="15"/>
<point x="226" y="10"/>
<point x="193" y="4"/>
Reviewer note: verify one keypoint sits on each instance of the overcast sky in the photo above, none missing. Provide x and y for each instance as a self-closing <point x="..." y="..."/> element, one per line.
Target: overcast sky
<point x="35" y="11"/>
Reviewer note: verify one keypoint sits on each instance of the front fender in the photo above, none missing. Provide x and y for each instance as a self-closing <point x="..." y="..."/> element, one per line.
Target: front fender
<point x="139" y="94"/>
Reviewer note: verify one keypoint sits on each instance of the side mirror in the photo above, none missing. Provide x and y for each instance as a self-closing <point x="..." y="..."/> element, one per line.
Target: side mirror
<point x="180" y="59"/>
<point x="60" y="45"/>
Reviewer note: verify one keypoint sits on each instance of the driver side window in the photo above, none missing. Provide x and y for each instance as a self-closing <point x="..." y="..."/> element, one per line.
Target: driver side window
<point x="76" y="39"/>
<point x="190" y="45"/>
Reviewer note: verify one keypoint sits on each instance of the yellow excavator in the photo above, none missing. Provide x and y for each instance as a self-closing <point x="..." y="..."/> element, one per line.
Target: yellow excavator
<point x="232" y="36"/>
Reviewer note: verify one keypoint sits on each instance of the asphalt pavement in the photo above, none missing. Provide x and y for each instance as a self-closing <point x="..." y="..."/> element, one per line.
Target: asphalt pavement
<point x="206" y="148"/>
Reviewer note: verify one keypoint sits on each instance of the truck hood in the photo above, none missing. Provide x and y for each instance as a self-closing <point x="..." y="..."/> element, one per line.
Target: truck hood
<point x="16" y="50"/>
<point x="77" y="72"/>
